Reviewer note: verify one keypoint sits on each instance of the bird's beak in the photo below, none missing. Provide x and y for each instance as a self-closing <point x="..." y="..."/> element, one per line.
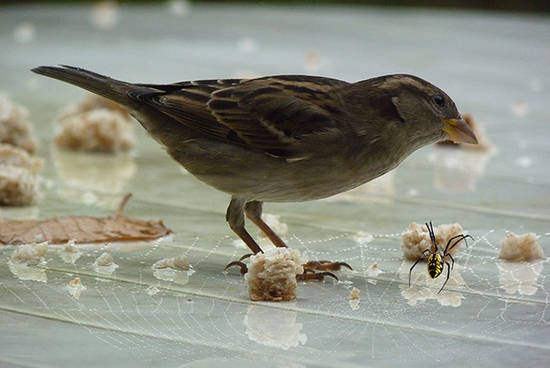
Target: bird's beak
<point x="459" y="131"/>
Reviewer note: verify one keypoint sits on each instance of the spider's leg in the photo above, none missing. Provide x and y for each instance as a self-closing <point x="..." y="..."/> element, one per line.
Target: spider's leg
<point x="452" y="260"/>
<point x="448" y="274"/>
<point x="463" y="237"/>
<point x="411" y="270"/>
<point x="432" y="235"/>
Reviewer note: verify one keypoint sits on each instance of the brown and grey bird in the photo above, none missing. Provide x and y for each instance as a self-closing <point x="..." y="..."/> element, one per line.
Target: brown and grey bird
<point x="283" y="138"/>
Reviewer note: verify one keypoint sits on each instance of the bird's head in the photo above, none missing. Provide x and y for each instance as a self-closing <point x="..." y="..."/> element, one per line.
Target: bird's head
<point x="413" y="109"/>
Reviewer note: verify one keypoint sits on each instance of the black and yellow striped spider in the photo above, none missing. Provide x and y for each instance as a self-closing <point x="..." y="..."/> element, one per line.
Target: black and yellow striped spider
<point x="437" y="258"/>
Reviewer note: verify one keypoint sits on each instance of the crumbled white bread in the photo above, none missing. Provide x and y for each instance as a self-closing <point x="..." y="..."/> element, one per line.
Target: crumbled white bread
<point x="14" y="156"/>
<point x="247" y="45"/>
<point x="416" y="239"/>
<point x="18" y="187"/>
<point x="274" y="222"/>
<point x="312" y="61"/>
<point x="18" y="176"/>
<point x="354" y="299"/>
<point x="30" y="254"/>
<point x="24" y="32"/>
<point x="100" y="130"/>
<point x="152" y="290"/>
<point x="104" y="259"/>
<point x="362" y="237"/>
<point x="15" y="128"/>
<point x="104" y="15"/>
<point x="177" y="263"/>
<point x="75" y="287"/>
<point x="373" y="271"/>
<point x="520" y="108"/>
<point x="179" y="7"/>
<point x="69" y="246"/>
<point x="272" y="275"/>
<point x="354" y="293"/>
<point x="69" y="253"/>
<point x="91" y="102"/>
<point x="518" y="248"/>
<point x="105" y="264"/>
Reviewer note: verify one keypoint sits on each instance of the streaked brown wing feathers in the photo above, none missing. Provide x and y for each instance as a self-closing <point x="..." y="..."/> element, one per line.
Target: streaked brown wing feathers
<point x="272" y="114"/>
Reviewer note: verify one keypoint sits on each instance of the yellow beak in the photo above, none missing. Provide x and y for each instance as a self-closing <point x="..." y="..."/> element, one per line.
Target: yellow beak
<point x="459" y="131"/>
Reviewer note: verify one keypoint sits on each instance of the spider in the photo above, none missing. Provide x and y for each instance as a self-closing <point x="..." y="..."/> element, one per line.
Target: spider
<point x="437" y="259"/>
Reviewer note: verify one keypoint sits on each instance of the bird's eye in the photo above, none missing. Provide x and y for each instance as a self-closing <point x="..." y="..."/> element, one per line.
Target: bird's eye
<point x="439" y="100"/>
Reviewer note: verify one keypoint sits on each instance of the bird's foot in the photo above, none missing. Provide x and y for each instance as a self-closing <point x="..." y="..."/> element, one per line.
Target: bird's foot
<point x="325" y="266"/>
<point x="240" y="263"/>
<point x="311" y="275"/>
<point x="317" y="270"/>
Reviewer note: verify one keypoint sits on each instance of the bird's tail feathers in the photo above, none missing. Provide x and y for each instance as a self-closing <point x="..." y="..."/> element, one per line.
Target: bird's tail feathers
<point x="96" y="83"/>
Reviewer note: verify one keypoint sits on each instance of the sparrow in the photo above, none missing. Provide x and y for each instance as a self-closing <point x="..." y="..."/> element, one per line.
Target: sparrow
<point x="283" y="138"/>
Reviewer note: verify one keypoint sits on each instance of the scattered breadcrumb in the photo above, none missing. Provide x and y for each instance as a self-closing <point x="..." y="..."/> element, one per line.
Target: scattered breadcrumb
<point x="104" y="260"/>
<point x="15" y="128"/>
<point x="69" y="253"/>
<point x="18" y="176"/>
<point x="524" y="161"/>
<point x="274" y="222"/>
<point x="483" y="142"/>
<point x="272" y="275"/>
<point x="179" y="7"/>
<point x="18" y="187"/>
<point x="362" y="237"/>
<point x="14" y="156"/>
<point x="75" y="287"/>
<point x="30" y="254"/>
<point x="152" y="290"/>
<point x="24" y="32"/>
<point x="69" y="247"/>
<point x="91" y="102"/>
<point x="374" y="270"/>
<point x="104" y="15"/>
<point x="354" y="293"/>
<point x="354" y="300"/>
<point x="312" y="61"/>
<point x="98" y="130"/>
<point x="520" y="108"/>
<point x="416" y="239"/>
<point x="177" y="263"/>
<point x="247" y="45"/>
<point x="518" y="248"/>
<point x="105" y="264"/>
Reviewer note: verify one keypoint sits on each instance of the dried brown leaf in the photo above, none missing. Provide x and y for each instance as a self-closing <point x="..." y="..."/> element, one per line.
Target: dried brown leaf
<point x="81" y="229"/>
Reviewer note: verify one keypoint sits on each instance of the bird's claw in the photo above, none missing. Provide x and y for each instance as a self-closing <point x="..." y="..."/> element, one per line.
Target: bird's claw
<point x="325" y="266"/>
<point x="244" y="268"/>
<point x="310" y="275"/>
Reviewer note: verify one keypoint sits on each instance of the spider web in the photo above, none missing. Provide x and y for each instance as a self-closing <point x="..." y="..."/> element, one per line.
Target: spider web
<point x="205" y="315"/>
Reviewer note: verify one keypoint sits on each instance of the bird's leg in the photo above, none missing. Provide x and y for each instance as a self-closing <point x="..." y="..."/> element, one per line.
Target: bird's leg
<point x="253" y="211"/>
<point x="235" y="219"/>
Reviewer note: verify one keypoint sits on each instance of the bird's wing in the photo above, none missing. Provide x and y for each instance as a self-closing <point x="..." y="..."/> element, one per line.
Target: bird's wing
<point x="272" y="114"/>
